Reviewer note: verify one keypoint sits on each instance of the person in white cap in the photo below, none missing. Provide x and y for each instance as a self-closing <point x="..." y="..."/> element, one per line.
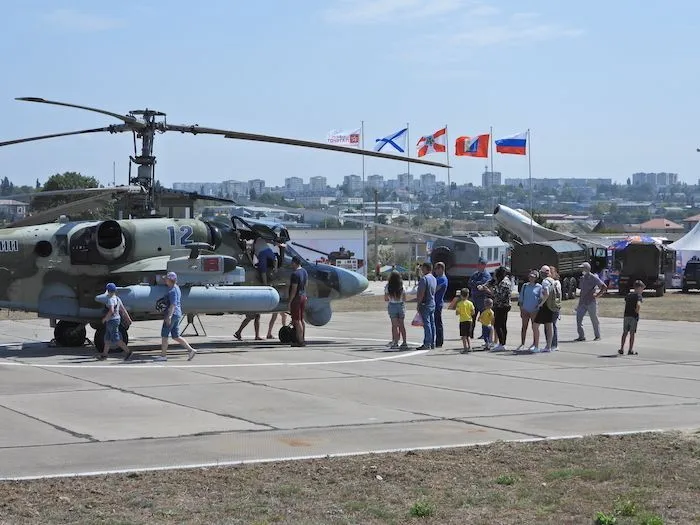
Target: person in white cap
<point x="587" y="302"/>
<point x="171" y="321"/>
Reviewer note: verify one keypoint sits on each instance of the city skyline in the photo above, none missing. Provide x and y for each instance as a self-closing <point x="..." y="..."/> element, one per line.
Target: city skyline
<point x="613" y="93"/>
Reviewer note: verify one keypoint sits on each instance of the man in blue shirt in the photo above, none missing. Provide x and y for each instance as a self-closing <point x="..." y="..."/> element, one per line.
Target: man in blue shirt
<point x="297" y="299"/>
<point x="440" y="290"/>
<point x="425" y="301"/>
<point x="478" y="289"/>
<point x="171" y="321"/>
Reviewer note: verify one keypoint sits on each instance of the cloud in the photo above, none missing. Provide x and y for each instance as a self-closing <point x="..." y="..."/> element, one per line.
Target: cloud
<point x="519" y="28"/>
<point x="73" y="20"/>
<point x="385" y="11"/>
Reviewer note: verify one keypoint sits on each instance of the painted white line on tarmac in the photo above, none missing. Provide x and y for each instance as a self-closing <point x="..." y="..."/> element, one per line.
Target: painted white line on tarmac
<point x="233" y="463"/>
<point x="140" y="364"/>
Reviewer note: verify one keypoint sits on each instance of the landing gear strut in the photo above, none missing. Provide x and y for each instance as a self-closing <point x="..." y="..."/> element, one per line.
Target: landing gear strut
<point x="69" y="334"/>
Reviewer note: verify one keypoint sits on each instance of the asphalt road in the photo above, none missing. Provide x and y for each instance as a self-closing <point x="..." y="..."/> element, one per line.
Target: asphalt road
<point x="63" y="412"/>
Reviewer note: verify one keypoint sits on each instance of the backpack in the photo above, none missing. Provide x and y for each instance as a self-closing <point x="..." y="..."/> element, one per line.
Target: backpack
<point x="554" y="298"/>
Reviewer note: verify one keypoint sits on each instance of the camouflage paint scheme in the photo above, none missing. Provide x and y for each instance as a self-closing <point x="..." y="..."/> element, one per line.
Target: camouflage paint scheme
<point x="57" y="269"/>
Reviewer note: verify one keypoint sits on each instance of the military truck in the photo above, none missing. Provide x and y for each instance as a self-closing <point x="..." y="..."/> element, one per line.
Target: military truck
<point x="652" y="263"/>
<point x="691" y="275"/>
<point x="460" y="256"/>
<point x="566" y="256"/>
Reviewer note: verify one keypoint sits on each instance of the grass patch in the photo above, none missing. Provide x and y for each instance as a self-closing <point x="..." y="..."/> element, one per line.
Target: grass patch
<point x="646" y="479"/>
<point x="505" y="479"/>
<point x="422" y="509"/>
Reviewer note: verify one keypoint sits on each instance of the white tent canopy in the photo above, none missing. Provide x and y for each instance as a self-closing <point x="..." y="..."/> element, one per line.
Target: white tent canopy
<point x="687" y="246"/>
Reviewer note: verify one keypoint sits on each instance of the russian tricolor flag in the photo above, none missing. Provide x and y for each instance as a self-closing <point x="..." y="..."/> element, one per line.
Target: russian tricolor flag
<point x="515" y="144"/>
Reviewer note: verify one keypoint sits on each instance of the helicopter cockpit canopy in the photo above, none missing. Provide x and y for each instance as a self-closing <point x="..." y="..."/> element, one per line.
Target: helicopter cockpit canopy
<point x="254" y="229"/>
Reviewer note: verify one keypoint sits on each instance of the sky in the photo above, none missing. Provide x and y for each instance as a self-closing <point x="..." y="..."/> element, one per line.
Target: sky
<point x="606" y="88"/>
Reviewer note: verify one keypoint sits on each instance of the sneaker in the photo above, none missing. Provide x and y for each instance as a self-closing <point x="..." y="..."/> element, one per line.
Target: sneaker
<point x="555" y="349"/>
<point x="394" y="345"/>
<point x="160" y="358"/>
<point x="404" y="346"/>
<point x="580" y="339"/>
<point x="621" y="351"/>
<point x="128" y="355"/>
<point x="423" y="347"/>
<point x="191" y="354"/>
<point x="597" y="338"/>
<point x="520" y="347"/>
<point x="632" y="352"/>
<point x="546" y="349"/>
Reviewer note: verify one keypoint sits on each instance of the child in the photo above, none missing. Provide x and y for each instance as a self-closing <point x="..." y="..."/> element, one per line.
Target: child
<point x="395" y="296"/>
<point x="486" y="320"/>
<point x="464" y="308"/>
<point x="633" y="303"/>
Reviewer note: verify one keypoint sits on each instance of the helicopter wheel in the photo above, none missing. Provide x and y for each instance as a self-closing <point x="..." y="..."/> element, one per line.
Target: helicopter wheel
<point x="99" y="340"/>
<point x="69" y="334"/>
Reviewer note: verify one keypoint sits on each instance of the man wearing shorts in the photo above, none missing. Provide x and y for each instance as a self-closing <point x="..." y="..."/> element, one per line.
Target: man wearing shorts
<point x="297" y="299"/>
<point x="171" y="321"/>
<point x="633" y="301"/>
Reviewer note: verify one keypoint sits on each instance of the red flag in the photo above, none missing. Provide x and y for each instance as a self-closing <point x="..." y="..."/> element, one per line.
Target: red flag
<point x="434" y="143"/>
<point x="472" y="146"/>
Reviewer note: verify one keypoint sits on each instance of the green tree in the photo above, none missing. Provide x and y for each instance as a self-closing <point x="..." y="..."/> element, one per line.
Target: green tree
<point x="6" y="187"/>
<point x="69" y="180"/>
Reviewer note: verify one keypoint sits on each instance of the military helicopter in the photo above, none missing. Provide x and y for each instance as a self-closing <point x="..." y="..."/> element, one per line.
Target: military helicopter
<point x="59" y="269"/>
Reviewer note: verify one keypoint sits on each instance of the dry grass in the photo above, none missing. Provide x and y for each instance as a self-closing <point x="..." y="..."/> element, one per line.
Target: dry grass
<point x="674" y="306"/>
<point x="632" y="477"/>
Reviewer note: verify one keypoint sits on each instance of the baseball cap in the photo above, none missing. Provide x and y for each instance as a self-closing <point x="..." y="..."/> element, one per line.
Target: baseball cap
<point x="172" y="276"/>
<point x="585" y="265"/>
<point x="111" y="287"/>
<point x="482" y="260"/>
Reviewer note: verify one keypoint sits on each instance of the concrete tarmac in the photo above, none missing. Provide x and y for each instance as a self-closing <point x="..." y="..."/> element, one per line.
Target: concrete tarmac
<point x="63" y="412"/>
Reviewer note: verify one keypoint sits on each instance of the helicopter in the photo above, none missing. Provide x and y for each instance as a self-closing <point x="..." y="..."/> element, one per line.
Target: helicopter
<point x="60" y="269"/>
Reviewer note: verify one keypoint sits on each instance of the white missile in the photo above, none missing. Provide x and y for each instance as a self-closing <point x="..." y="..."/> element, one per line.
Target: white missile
<point x="144" y="299"/>
<point x="526" y="228"/>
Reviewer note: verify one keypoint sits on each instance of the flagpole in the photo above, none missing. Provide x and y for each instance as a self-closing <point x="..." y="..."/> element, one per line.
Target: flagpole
<point x="529" y="172"/>
<point x="408" y="178"/>
<point x="364" y="225"/>
<point x="449" y="184"/>
<point x="492" y="175"/>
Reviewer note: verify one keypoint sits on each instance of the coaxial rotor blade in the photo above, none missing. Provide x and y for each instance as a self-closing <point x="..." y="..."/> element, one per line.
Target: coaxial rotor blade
<point x="128" y="119"/>
<point x="111" y="129"/>
<point x="296" y="142"/>
<point x="78" y="191"/>
<point x="54" y="213"/>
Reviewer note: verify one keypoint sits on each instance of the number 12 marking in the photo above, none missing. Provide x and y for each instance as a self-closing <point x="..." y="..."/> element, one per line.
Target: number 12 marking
<point x="185" y="235"/>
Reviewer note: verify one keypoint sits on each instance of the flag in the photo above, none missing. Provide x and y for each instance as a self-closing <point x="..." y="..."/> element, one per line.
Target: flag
<point x="434" y="143"/>
<point x="396" y="140"/>
<point x="472" y="146"/>
<point x="515" y="144"/>
<point x="350" y="139"/>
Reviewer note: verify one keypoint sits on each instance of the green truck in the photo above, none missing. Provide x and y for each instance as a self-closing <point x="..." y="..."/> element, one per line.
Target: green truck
<point x="566" y="256"/>
<point x="652" y="263"/>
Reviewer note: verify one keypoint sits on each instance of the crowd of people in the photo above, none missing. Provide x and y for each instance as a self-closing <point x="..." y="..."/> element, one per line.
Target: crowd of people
<point x="487" y="301"/>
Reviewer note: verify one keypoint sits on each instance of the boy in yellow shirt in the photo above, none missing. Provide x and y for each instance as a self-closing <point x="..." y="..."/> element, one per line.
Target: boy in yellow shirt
<point x="464" y="308"/>
<point x="486" y="320"/>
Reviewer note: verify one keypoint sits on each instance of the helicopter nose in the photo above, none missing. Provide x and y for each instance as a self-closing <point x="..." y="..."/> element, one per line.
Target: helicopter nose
<point x="351" y="283"/>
